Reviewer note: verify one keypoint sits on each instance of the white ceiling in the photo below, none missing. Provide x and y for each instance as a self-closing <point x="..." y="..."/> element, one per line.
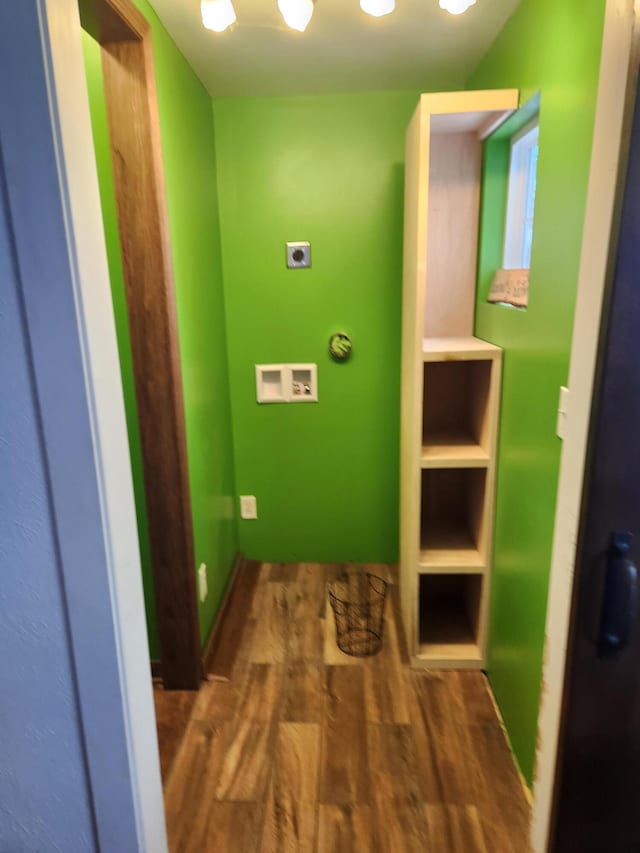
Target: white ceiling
<point x="343" y="50"/>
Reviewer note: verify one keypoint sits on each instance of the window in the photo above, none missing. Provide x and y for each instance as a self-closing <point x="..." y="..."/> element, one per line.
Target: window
<point x="521" y="198"/>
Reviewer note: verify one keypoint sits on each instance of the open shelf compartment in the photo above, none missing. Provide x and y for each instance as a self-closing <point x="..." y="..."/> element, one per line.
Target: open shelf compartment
<point x="453" y="522"/>
<point x="450" y="619"/>
<point x="456" y="414"/>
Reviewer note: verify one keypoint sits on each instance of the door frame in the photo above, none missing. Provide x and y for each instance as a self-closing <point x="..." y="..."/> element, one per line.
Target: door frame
<point x="49" y="34"/>
<point x="54" y="208"/>
<point x="618" y="71"/>
<point x="128" y="73"/>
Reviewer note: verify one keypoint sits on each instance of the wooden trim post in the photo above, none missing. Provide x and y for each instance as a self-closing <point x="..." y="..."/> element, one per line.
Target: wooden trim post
<point x="134" y="132"/>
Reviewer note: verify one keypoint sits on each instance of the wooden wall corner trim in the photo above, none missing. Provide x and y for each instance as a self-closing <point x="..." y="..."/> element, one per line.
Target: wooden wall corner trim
<point x="113" y="20"/>
<point x="138" y="173"/>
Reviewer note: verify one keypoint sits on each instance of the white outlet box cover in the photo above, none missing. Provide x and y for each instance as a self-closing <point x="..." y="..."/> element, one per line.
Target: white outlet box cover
<point x="248" y="507"/>
<point x="271" y="383"/>
<point x="303" y="383"/>
<point x="287" y="383"/>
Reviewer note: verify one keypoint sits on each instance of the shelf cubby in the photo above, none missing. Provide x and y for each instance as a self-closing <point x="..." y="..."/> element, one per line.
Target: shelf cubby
<point x="452" y="519"/>
<point x="451" y="620"/>
<point x="456" y="414"/>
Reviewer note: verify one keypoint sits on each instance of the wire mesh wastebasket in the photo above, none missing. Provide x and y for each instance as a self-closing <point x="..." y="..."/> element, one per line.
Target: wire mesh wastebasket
<point x="357" y="599"/>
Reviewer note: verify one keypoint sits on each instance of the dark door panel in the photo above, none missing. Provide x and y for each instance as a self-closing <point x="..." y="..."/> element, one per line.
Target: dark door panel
<point x="598" y="787"/>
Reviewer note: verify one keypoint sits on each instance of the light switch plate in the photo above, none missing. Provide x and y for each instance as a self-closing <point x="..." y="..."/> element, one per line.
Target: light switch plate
<point x="248" y="507"/>
<point x="299" y="255"/>
<point x="563" y="408"/>
<point x="202" y="582"/>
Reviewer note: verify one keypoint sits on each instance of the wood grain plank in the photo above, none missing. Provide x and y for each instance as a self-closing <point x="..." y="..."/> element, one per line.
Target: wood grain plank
<point x="399" y="811"/>
<point x="217" y="701"/>
<point x="260" y="695"/>
<point x="455" y="829"/>
<point x="436" y="699"/>
<point x="173" y="711"/>
<point x="477" y="701"/>
<point x="290" y="816"/>
<point x="312" y="582"/>
<point x="191" y="784"/>
<point x="306" y="637"/>
<point x="400" y="824"/>
<point x="231" y="621"/>
<point x="345" y="829"/>
<point x="303" y="692"/>
<point x="247" y="761"/>
<point x="344" y="774"/>
<point x="232" y="828"/>
<point x="270" y="637"/>
<point x="496" y="783"/>
<point x="332" y="572"/>
<point x="443" y="781"/>
<point x="393" y="594"/>
<point x="283" y="572"/>
<point x="385" y="698"/>
<point x="392" y="755"/>
<point x="429" y="772"/>
<point x="260" y="594"/>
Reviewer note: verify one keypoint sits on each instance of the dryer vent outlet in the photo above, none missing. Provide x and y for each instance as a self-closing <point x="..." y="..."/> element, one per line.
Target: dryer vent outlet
<point x="298" y="256"/>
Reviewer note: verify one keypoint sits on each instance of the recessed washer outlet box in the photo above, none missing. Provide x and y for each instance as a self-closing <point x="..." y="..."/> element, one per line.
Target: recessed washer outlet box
<point x="298" y="256"/>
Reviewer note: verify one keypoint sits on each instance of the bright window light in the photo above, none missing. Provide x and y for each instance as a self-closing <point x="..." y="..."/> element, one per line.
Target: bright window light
<point x="456" y="7"/>
<point x="521" y="198"/>
<point x="296" y="13"/>
<point x="217" y="15"/>
<point x="378" y="8"/>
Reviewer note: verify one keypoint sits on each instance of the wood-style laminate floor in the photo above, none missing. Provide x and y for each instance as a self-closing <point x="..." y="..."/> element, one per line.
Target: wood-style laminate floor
<point x="306" y="749"/>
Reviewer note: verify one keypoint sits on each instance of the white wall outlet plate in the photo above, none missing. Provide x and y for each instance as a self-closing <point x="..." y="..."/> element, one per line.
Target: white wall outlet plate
<point x="270" y="383"/>
<point x="248" y="507"/>
<point x="299" y="255"/>
<point x="287" y="383"/>
<point x="202" y="582"/>
<point x="303" y="379"/>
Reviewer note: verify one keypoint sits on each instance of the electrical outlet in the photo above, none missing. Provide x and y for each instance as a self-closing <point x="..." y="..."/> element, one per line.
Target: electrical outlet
<point x="248" y="507"/>
<point x="202" y="582"/>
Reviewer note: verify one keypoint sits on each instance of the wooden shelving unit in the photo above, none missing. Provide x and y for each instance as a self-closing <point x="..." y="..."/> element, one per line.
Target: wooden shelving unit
<point x="450" y="386"/>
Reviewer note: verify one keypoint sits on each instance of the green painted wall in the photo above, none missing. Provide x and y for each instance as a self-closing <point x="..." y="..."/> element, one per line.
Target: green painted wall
<point x="189" y="158"/>
<point x="554" y="48"/>
<point x="328" y="169"/>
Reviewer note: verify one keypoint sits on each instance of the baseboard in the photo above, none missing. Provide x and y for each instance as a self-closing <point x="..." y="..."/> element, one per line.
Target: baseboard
<point x="156" y="670"/>
<point x="213" y="640"/>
